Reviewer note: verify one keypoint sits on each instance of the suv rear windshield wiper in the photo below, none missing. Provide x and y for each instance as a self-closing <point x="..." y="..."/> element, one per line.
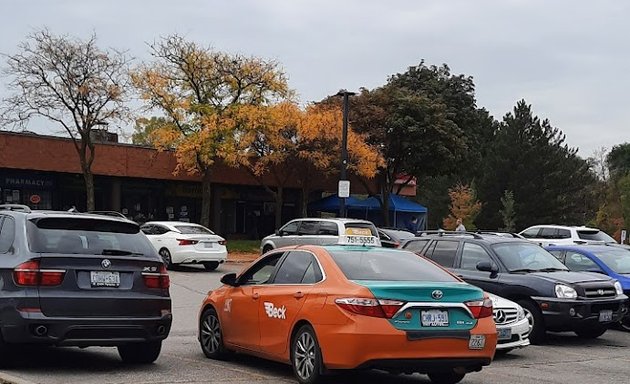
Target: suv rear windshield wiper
<point x="120" y="252"/>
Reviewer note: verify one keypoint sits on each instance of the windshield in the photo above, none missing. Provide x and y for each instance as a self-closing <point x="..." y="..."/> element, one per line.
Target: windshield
<point x="596" y="235"/>
<point x="388" y="265"/>
<point x="526" y="256"/>
<point x="193" y="230"/>
<point x="616" y="259"/>
<point x="86" y="237"/>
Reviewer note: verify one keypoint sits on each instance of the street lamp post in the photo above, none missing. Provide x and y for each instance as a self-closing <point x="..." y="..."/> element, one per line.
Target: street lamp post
<point x="344" y="148"/>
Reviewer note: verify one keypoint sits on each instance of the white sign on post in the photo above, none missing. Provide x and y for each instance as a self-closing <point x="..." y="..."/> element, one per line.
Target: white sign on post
<point x="624" y="234"/>
<point x="344" y="188"/>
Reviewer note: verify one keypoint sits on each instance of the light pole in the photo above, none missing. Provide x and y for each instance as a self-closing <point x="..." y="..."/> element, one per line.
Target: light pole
<point x="344" y="152"/>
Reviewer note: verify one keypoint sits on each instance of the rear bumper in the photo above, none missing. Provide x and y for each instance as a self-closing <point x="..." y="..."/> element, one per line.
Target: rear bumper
<point x="194" y="256"/>
<point x="374" y="343"/>
<point x="558" y="312"/>
<point x="36" y="328"/>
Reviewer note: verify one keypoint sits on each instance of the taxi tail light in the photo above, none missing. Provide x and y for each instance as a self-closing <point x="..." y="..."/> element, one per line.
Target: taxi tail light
<point x="28" y="274"/>
<point x="157" y="280"/>
<point x="480" y="308"/>
<point x="222" y="242"/>
<point x="370" y="307"/>
<point x="187" y="242"/>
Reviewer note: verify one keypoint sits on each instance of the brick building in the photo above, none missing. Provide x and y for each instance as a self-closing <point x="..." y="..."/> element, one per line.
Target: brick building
<point x="44" y="172"/>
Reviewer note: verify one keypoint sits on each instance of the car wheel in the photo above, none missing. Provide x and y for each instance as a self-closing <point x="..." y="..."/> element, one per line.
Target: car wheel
<point x="210" y="265"/>
<point x="591" y="332"/>
<point x="211" y="335"/>
<point x="446" y="377"/>
<point x="306" y="358"/>
<point x="267" y="248"/>
<point x="534" y="316"/>
<point x="140" y="353"/>
<point x="166" y="258"/>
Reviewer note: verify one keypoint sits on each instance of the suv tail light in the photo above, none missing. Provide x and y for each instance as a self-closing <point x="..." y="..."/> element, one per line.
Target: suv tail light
<point x="370" y="307"/>
<point x="480" y="308"/>
<point x="187" y="242"/>
<point x="28" y="274"/>
<point x="157" y="280"/>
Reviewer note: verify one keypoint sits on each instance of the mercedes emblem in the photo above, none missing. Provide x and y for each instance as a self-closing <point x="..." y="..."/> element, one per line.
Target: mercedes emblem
<point x="437" y="294"/>
<point x="501" y="317"/>
<point x="106" y="263"/>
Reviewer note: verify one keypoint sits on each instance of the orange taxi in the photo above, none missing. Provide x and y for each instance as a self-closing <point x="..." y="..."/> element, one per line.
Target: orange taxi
<point x="324" y="308"/>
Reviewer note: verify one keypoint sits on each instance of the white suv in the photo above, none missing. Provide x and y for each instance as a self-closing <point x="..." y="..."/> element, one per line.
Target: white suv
<point x="546" y="235"/>
<point x="315" y="231"/>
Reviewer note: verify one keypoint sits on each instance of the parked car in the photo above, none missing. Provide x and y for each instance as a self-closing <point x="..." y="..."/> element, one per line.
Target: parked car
<point x="554" y="298"/>
<point x="324" y="308"/>
<point x="314" y="231"/>
<point x="186" y="243"/>
<point x="512" y="325"/>
<point x="612" y="261"/>
<point x="64" y="276"/>
<point x="546" y="235"/>
<point x="393" y="237"/>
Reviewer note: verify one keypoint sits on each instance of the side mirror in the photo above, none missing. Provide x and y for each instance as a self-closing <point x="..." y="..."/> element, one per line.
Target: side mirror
<point x="278" y="233"/>
<point x="486" y="266"/>
<point x="229" y="279"/>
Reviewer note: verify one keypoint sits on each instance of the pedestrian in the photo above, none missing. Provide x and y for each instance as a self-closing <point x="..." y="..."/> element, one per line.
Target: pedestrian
<point x="412" y="225"/>
<point x="460" y="226"/>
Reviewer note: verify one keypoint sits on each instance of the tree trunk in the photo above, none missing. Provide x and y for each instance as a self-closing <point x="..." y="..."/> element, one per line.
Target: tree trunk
<point x="206" y="199"/>
<point x="385" y="197"/>
<point x="89" y="189"/>
<point x="279" y="203"/>
<point x="305" y="193"/>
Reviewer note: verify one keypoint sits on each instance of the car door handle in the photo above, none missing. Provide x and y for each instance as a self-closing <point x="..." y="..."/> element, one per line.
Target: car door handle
<point x="298" y="295"/>
<point x="255" y="296"/>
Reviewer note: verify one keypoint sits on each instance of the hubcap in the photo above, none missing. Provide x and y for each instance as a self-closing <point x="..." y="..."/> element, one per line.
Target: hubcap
<point x="304" y="358"/>
<point x="211" y="334"/>
<point x="530" y="319"/>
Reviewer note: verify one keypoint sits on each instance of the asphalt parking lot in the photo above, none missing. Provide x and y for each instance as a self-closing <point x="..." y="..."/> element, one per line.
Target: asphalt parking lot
<point x="565" y="358"/>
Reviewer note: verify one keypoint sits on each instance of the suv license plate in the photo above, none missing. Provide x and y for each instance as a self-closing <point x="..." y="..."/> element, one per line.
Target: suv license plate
<point x="504" y="333"/>
<point x="606" y="315"/>
<point x="477" y="342"/>
<point x="104" y="279"/>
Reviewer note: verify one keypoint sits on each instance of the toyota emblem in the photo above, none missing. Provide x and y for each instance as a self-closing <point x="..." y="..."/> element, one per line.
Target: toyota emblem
<point x="500" y="317"/>
<point x="437" y="294"/>
<point x="106" y="263"/>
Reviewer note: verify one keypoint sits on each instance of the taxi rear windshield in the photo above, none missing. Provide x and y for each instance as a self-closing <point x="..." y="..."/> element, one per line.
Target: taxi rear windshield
<point x="384" y="265"/>
<point x="86" y="237"/>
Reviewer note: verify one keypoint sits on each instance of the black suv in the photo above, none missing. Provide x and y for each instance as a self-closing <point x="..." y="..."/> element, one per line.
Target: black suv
<point x="72" y="279"/>
<point x="554" y="299"/>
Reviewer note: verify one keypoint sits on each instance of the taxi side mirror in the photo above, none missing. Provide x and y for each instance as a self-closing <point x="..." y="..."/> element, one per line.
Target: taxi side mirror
<point x="229" y="279"/>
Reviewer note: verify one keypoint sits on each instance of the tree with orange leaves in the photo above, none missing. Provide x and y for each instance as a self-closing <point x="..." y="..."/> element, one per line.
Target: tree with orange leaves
<point x="198" y="90"/>
<point x="464" y="205"/>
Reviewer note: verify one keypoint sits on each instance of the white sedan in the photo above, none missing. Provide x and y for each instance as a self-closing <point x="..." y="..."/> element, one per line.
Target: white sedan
<point x="186" y="243"/>
<point x="513" y="327"/>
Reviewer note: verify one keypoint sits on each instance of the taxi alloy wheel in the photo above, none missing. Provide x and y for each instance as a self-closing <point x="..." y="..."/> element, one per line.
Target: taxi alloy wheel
<point x="211" y="335"/>
<point x="306" y="357"/>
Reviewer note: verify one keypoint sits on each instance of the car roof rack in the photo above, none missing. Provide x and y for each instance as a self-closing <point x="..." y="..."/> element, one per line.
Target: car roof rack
<point x="15" y="207"/>
<point x="449" y="233"/>
<point x="499" y="233"/>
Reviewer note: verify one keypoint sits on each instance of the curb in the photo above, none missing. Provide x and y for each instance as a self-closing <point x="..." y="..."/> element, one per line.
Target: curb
<point x="6" y="378"/>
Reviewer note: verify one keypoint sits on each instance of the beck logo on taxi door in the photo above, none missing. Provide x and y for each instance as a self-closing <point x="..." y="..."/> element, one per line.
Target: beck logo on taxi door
<point x="272" y="311"/>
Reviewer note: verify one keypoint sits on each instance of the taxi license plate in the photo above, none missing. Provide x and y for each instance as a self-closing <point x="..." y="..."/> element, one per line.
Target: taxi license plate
<point x="361" y="240"/>
<point x="477" y="342"/>
<point x="606" y="315"/>
<point x="504" y="333"/>
<point x="434" y="318"/>
<point x="104" y="279"/>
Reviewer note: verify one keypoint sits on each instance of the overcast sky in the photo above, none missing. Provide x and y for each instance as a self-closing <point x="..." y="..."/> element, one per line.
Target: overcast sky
<point x="569" y="59"/>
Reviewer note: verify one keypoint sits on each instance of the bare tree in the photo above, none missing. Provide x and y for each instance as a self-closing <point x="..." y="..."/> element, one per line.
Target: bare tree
<point x="72" y="83"/>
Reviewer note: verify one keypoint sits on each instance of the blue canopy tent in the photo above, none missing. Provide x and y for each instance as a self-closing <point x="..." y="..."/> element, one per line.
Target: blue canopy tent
<point x="401" y="212"/>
